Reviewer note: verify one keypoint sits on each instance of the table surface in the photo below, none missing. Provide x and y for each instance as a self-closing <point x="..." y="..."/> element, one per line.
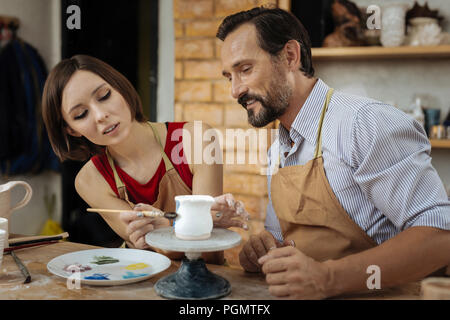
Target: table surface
<point x="46" y="286"/>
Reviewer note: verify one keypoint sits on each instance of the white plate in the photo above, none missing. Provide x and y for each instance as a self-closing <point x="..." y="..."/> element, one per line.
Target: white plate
<point x="121" y="266"/>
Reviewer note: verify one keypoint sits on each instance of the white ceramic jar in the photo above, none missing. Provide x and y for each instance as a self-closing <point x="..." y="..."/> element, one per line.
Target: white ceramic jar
<point x="194" y="221"/>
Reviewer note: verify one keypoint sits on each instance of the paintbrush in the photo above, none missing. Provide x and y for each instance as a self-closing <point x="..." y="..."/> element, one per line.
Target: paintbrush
<point x="152" y="214"/>
<point x="22" y="268"/>
<point x="10" y="249"/>
<point x="36" y="239"/>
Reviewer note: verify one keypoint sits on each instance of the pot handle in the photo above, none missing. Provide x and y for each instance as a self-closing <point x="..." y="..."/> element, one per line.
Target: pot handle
<point x="28" y="194"/>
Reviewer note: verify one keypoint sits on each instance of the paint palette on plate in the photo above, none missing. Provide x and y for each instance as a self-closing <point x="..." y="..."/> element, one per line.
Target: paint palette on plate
<point x="107" y="267"/>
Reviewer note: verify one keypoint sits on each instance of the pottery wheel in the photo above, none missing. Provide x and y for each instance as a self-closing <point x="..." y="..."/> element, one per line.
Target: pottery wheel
<point x="166" y="239"/>
<point x="193" y="280"/>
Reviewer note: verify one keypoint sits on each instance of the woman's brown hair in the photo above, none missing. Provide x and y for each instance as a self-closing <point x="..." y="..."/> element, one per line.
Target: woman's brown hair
<point x="64" y="145"/>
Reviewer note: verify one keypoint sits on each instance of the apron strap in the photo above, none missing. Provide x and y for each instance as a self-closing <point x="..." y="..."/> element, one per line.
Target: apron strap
<point x="121" y="188"/>
<point x="318" y="151"/>
<point x="166" y="159"/>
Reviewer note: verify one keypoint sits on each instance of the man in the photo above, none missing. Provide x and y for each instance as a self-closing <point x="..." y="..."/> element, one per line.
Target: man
<point x="355" y="191"/>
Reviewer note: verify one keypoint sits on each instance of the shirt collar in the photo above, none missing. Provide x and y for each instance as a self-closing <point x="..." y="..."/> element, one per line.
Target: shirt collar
<point x="307" y="120"/>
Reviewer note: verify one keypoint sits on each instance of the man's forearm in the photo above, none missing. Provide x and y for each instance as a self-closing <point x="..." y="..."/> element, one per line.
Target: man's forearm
<point x="409" y="256"/>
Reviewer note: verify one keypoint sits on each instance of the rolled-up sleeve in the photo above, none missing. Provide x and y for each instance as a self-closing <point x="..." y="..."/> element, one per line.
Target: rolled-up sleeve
<point x="392" y="163"/>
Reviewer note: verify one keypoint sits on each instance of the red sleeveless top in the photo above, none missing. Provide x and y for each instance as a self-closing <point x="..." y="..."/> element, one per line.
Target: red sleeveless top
<point x="148" y="192"/>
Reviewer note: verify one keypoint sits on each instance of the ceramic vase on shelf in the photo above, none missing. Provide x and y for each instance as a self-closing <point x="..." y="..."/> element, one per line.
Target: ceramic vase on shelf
<point x="424" y="31"/>
<point x="393" y="25"/>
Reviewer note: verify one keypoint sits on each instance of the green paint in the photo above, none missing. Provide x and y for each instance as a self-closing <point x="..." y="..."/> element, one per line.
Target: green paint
<point x="104" y="260"/>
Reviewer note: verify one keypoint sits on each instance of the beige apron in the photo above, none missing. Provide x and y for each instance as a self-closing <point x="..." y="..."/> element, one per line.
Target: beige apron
<point x="171" y="184"/>
<point x="309" y="212"/>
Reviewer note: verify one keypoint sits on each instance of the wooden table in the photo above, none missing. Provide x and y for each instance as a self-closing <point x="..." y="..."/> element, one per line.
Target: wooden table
<point x="46" y="286"/>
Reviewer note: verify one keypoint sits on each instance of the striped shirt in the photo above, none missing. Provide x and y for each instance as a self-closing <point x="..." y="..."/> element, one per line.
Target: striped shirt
<point x="376" y="159"/>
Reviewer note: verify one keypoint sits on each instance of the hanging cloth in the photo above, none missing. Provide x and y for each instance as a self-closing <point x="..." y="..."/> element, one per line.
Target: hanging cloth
<point x="27" y="148"/>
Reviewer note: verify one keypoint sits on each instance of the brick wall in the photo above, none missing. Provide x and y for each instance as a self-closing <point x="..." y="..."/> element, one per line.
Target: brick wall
<point x="201" y="93"/>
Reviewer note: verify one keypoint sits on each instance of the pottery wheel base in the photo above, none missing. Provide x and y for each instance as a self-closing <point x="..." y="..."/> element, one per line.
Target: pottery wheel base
<point x="193" y="281"/>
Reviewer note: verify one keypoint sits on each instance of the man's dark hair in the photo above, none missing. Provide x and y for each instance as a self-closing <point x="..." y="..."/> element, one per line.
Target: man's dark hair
<point x="274" y="27"/>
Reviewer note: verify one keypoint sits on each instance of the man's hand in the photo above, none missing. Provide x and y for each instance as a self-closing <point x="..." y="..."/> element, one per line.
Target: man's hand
<point x="229" y="213"/>
<point x="293" y="275"/>
<point x="138" y="227"/>
<point x="256" y="247"/>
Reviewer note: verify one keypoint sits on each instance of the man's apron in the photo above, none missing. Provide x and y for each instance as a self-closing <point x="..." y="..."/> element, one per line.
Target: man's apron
<point x="309" y="212"/>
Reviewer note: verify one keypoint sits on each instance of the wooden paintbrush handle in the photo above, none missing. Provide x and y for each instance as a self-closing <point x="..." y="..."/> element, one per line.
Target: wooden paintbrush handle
<point x="10" y="249"/>
<point x="33" y="238"/>
<point x="152" y="214"/>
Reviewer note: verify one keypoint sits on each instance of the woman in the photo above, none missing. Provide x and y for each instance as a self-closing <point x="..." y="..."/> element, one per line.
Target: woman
<point x="92" y="111"/>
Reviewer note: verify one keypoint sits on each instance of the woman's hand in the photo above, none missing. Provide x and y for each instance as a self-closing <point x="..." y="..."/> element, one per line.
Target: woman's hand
<point x="138" y="227"/>
<point x="227" y="212"/>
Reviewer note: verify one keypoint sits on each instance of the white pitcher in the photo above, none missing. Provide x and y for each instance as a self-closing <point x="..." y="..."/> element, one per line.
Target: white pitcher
<point x="5" y="198"/>
<point x="194" y="221"/>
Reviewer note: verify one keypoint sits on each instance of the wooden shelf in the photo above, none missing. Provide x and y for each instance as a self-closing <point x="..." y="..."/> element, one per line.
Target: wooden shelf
<point x="404" y="52"/>
<point x="353" y="53"/>
<point x="440" y="143"/>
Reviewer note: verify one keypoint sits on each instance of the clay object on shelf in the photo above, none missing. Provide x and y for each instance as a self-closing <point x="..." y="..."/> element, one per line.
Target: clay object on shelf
<point x="348" y="21"/>
<point x="393" y="25"/>
<point x="422" y="11"/>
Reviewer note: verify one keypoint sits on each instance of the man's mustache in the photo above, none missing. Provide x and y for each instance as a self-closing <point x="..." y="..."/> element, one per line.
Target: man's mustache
<point x="247" y="97"/>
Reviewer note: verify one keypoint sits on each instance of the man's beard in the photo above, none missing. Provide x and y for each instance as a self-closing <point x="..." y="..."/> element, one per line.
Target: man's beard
<point x="273" y="105"/>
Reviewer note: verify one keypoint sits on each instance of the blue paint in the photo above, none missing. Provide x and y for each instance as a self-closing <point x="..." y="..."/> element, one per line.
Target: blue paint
<point x="131" y="275"/>
<point x="98" y="276"/>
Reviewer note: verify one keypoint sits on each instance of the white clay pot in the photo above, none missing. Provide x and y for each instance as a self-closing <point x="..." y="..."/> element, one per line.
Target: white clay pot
<point x="194" y="221"/>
